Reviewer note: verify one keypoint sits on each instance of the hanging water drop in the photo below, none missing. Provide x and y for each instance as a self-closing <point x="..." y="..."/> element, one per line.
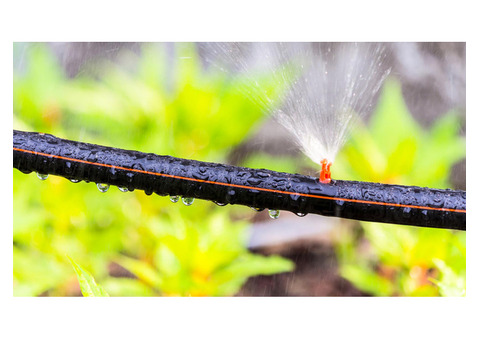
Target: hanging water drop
<point x="220" y="204"/>
<point x="188" y="200"/>
<point x="299" y="214"/>
<point x="103" y="187"/>
<point x="123" y="189"/>
<point x="73" y="180"/>
<point x="274" y="213"/>
<point x="174" y="199"/>
<point x="42" y="176"/>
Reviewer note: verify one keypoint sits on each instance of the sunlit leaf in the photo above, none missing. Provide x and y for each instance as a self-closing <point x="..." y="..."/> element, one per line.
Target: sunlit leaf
<point x="144" y="271"/>
<point x="87" y="283"/>
<point x="392" y="121"/>
<point x="451" y="283"/>
<point x="121" y="286"/>
<point x="367" y="280"/>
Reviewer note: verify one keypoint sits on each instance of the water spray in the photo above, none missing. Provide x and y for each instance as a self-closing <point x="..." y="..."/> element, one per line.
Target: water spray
<point x="325" y="87"/>
<point x="224" y="184"/>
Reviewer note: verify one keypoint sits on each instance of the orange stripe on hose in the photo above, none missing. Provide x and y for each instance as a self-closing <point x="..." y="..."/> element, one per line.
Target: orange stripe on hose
<point x="241" y="186"/>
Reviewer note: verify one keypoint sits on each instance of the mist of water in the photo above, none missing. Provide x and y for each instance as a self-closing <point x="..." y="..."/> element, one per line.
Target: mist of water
<point x="325" y="86"/>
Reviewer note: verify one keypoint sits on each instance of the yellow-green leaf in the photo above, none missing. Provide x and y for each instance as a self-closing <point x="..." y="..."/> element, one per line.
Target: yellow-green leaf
<point x="87" y="283"/>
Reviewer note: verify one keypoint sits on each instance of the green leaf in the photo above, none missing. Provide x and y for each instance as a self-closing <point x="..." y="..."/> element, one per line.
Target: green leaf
<point x="144" y="271"/>
<point x="231" y="278"/>
<point x="446" y="127"/>
<point x="87" y="283"/>
<point x="122" y="286"/>
<point x="367" y="280"/>
<point x="251" y="265"/>
<point x="392" y="122"/>
<point x="401" y="160"/>
<point x="451" y="282"/>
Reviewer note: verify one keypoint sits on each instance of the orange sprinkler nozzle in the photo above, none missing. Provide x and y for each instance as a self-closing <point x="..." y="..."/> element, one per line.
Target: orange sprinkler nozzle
<point x="325" y="174"/>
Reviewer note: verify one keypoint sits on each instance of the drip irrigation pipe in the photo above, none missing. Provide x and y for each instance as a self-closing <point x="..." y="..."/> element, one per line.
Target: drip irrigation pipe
<point x="225" y="184"/>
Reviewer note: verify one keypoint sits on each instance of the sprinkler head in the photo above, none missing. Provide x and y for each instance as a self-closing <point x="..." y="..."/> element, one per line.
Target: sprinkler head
<point x="325" y="174"/>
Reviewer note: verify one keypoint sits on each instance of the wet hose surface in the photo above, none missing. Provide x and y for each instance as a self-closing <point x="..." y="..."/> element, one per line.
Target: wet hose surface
<point x="225" y="184"/>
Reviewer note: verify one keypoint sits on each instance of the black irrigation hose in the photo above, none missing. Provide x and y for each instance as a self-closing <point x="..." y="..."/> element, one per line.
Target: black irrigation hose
<point x="224" y="184"/>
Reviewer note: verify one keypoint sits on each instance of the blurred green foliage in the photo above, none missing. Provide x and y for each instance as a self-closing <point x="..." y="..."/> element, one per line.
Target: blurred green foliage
<point x="206" y="258"/>
<point x="385" y="259"/>
<point x="154" y="102"/>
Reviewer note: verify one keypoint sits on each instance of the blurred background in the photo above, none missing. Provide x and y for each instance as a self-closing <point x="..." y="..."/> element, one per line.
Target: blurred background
<point x="162" y="98"/>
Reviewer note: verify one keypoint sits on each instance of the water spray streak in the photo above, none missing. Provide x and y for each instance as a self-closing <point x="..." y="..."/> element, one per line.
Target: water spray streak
<point x="325" y="87"/>
<point x="224" y="184"/>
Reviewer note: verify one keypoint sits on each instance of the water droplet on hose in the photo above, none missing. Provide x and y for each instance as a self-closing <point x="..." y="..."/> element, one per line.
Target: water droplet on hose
<point x="103" y="187"/>
<point x="188" y="200"/>
<point x="73" y="180"/>
<point x="300" y="214"/>
<point x="123" y="189"/>
<point x="174" y="199"/>
<point x="220" y="204"/>
<point x="42" y="176"/>
<point x="274" y="213"/>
